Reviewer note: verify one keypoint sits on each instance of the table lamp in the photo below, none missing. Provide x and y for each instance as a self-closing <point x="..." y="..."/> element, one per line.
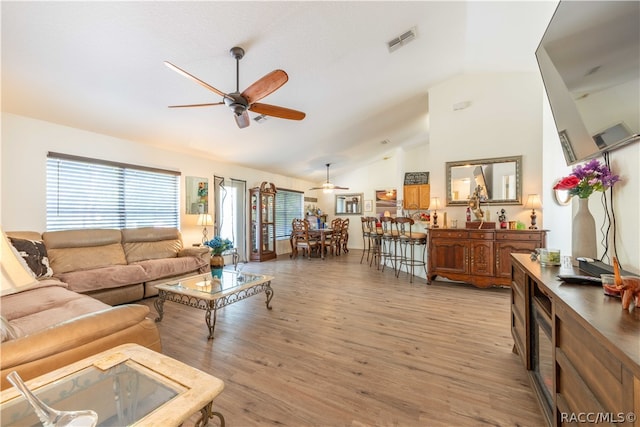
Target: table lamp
<point x="533" y="203"/>
<point x="204" y="220"/>
<point x="435" y="202"/>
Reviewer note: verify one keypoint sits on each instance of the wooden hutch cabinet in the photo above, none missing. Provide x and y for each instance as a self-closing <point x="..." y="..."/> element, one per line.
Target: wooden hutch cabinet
<point x="479" y="257"/>
<point x="262" y="213"/>
<point x="417" y="196"/>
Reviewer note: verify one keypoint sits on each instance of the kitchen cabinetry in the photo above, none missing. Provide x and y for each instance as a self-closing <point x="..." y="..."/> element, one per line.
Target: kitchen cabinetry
<point x="262" y="213"/>
<point x="417" y="196"/>
<point x="579" y="347"/>
<point x="479" y="257"/>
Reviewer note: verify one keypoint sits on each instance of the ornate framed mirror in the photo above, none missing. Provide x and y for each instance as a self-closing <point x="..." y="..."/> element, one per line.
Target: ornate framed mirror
<point x="349" y="204"/>
<point x="499" y="177"/>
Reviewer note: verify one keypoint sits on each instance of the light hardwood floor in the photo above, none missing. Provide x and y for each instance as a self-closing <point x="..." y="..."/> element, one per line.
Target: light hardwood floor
<point x="347" y="345"/>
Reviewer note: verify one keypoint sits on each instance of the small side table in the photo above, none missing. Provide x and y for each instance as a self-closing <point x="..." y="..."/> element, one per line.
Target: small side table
<point x="235" y="257"/>
<point x="126" y="385"/>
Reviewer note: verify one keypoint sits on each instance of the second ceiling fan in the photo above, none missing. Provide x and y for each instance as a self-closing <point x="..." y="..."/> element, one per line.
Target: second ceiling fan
<point x="239" y="102"/>
<point x="328" y="187"/>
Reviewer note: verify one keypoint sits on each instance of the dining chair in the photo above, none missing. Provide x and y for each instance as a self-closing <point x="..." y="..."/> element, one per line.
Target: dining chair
<point x="332" y="240"/>
<point x="344" y="235"/>
<point x="409" y="240"/>
<point x="301" y="240"/>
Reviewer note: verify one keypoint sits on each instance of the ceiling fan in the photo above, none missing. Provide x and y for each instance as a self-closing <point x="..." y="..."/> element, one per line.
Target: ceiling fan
<point x="328" y="187"/>
<point x="247" y="100"/>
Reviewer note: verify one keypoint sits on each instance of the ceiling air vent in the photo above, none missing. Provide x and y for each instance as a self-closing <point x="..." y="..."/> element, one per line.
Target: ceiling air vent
<point x="260" y="119"/>
<point x="401" y="40"/>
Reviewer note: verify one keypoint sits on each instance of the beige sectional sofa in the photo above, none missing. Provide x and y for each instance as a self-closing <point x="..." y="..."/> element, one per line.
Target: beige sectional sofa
<point x="119" y="266"/>
<point x="65" y="313"/>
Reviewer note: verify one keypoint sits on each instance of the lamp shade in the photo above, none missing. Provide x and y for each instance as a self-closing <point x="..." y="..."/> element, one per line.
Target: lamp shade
<point x="435" y="203"/>
<point x="533" y="202"/>
<point x="205" y="219"/>
<point x="15" y="275"/>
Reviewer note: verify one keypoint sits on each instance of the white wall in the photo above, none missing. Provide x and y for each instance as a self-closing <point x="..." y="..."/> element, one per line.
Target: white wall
<point x="504" y="118"/>
<point x="554" y="167"/>
<point x="26" y="142"/>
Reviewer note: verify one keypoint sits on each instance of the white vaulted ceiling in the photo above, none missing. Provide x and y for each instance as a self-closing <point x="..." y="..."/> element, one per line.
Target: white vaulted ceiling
<point x="99" y="66"/>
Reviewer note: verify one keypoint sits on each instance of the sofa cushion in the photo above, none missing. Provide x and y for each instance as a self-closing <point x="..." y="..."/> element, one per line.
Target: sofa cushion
<point x="160" y="268"/>
<point x="73" y="250"/>
<point x="38" y="308"/>
<point x="67" y="337"/>
<point x="7" y="332"/>
<point x="103" y="278"/>
<point x="151" y="243"/>
<point x="35" y="255"/>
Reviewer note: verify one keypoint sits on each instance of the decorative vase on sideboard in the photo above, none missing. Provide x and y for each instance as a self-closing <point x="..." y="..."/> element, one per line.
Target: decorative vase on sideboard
<point x="217" y="263"/>
<point x="583" y="232"/>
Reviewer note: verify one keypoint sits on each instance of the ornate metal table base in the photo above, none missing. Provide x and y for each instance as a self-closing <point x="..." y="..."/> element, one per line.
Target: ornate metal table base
<point x="208" y="413"/>
<point x="211" y="305"/>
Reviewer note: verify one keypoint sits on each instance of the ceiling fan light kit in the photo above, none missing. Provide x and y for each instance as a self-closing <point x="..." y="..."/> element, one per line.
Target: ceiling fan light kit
<point x="328" y="187"/>
<point x="240" y="103"/>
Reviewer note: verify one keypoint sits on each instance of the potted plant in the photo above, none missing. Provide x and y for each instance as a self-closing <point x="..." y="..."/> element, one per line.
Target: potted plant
<point x="218" y="246"/>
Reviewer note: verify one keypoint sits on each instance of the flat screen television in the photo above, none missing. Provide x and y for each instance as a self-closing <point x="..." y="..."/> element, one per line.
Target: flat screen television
<point x="589" y="59"/>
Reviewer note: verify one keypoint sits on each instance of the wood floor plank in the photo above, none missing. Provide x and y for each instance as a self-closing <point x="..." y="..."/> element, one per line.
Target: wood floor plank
<point x="349" y="345"/>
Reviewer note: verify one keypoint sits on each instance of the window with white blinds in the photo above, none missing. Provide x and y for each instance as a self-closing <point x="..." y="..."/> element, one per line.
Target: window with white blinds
<point x="91" y="193"/>
<point x="289" y="205"/>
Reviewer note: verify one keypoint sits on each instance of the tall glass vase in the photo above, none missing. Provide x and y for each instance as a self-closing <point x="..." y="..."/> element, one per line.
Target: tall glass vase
<point x="583" y="232"/>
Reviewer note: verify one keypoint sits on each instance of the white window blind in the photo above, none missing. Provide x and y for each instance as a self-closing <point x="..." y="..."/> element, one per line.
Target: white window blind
<point x="289" y="205"/>
<point x="91" y="193"/>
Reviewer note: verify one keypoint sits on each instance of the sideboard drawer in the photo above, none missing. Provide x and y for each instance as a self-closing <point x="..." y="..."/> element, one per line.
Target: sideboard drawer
<point x="449" y="234"/>
<point x="518" y="235"/>
<point x="481" y="235"/>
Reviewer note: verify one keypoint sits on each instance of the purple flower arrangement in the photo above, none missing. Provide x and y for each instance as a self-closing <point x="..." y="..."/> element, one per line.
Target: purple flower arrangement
<point x="587" y="178"/>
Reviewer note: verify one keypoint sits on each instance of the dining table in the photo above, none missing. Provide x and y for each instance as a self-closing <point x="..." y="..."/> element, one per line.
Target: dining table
<point x="321" y="234"/>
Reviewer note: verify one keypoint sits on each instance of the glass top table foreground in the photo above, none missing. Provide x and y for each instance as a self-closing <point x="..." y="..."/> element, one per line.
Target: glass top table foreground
<point x="207" y="293"/>
<point x="126" y="385"/>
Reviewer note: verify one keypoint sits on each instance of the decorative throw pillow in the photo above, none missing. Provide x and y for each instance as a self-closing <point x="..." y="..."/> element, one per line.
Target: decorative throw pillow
<point x="35" y="255"/>
<point x="6" y="330"/>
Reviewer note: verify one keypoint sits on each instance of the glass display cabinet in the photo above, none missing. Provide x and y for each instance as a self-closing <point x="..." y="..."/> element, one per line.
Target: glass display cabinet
<point x="262" y="206"/>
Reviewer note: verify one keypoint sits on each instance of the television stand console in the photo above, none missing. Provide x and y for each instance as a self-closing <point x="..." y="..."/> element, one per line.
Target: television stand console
<point x="579" y="347"/>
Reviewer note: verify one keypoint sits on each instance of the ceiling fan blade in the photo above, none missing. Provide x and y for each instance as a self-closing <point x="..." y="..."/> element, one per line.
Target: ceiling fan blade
<point x="196" y="105"/>
<point x="275" y="111"/>
<point x="266" y="85"/>
<point x="340" y="188"/>
<point x="194" y="78"/>
<point x="243" y="120"/>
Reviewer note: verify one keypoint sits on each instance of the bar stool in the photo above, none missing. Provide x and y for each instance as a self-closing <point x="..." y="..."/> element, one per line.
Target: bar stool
<point x="366" y="248"/>
<point x="409" y="240"/>
<point x="375" y="240"/>
<point x="388" y="242"/>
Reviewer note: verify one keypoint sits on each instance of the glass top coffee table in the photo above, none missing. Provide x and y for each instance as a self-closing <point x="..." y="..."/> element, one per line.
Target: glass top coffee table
<point x="126" y="385"/>
<point x="207" y="293"/>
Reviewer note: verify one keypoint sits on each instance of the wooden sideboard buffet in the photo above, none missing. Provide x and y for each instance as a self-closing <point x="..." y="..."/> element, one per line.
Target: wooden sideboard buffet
<point x="479" y="257"/>
<point x="580" y="348"/>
